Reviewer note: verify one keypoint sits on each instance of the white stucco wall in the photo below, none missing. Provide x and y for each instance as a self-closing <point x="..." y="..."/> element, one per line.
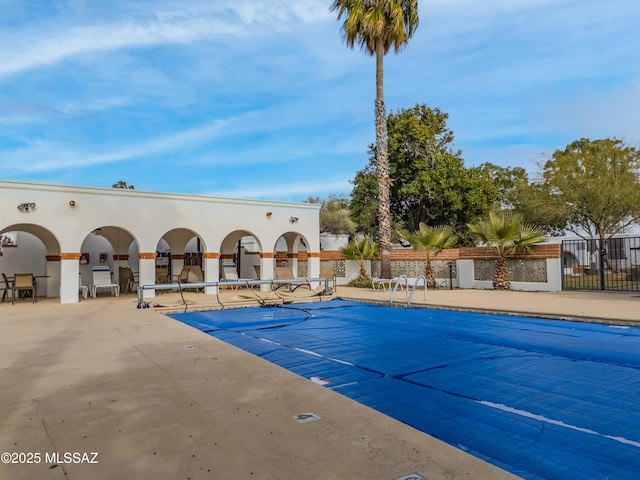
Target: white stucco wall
<point x="64" y="216"/>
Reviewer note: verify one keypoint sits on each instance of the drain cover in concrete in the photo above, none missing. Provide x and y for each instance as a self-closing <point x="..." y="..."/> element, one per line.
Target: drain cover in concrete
<point x="306" y="417"/>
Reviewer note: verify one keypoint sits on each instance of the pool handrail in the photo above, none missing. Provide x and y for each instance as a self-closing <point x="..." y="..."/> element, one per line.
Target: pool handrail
<point x="395" y="287"/>
<point x="413" y="289"/>
<point x="225" y="283"/>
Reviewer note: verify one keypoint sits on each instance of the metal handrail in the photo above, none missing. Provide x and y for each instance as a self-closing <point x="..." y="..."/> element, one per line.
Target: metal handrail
<point x="413" y="289"/>
<point x="395" y="287"/>
<point x="226" y="283"/>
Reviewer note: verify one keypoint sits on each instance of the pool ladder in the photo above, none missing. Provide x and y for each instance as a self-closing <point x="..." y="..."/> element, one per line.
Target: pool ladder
<point x="406" y="289"/>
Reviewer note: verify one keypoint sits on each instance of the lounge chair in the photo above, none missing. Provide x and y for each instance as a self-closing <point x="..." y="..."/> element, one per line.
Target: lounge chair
<point x="102" y="279"/>
<point x="191" y="273"/>
<point x="231" y="275"/>
<point x="286" y="273"/>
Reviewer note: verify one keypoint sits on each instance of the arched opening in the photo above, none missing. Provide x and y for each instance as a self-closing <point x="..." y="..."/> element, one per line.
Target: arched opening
<point x="291" y="251"/>
<point x="29" y="248"/>
<point x="240" y="252"/>
<point x="180" y="256"/>
<point x="113" y="247"/>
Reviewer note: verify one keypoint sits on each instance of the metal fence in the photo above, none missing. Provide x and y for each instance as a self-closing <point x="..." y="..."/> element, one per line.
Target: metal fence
<point x="610" y="264"/>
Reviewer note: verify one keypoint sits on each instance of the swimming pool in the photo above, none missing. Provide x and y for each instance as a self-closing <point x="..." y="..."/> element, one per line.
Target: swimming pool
<point x="543" y="399"/>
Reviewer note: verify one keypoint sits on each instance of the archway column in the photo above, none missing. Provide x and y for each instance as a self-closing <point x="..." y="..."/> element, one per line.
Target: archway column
<point x="211" y="266"/>
<point x="68" y="266"/>
<point x="147" y="272"/>
<point x="267" y="263"/>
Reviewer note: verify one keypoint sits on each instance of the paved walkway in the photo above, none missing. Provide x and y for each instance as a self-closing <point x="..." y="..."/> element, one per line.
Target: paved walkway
<point x="609" y="307"/>
<point x="155" y="399"/>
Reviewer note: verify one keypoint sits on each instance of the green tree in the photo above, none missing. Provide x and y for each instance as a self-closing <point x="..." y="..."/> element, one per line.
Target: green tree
<point x="431" y="183"/>
<point x="431" y="240"/>
<point x="361" y="250"/>
<point x="531" y="201"/>
<point x="508" y="180"/>
<point x="335" y="216"/>
<point x="592" y="186"/>
<point x="377" y="26"/>
<point x="506" y="232"/>
<point x="364" y="201"/>
<point x="122" y="184"/>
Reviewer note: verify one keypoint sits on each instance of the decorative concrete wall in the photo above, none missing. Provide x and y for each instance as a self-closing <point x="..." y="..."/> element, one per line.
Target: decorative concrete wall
<point x="472" y="267"/>
<point x="538" y="271"/>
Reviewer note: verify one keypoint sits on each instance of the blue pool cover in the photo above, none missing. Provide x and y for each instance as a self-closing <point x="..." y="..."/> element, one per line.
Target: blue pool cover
<point x="543" y="399"/>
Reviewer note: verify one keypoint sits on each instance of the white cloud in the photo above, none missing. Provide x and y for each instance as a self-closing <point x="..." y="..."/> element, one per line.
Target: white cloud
<point x="52" y="47"/>
<point x="46" y="155"/>
<point x="40" y="45"/>
<point x="107" y="83"/>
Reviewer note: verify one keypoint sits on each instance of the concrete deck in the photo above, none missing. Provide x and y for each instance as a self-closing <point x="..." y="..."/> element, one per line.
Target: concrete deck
<point x="157" y="400"/>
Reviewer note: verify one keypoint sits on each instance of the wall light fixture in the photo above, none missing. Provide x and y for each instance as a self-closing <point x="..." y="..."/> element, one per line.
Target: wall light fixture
<point x="25" y="207"/>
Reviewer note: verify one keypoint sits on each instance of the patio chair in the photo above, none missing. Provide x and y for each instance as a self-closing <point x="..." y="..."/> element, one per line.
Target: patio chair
<point x="102" y="279"/>
<point x="162" y="275"/>
<point x="385" y="284"/>
<point x="127" y="279"/>
<point x="23" y="282"/>
<point x="6" y="289"/>
<point x="83" y="289"/>
<point x="329" y="274"/>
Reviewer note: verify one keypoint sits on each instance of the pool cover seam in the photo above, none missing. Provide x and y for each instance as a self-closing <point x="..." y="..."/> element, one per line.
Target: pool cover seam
<point x="498" y="406"/>
<point x="542" y="418"/>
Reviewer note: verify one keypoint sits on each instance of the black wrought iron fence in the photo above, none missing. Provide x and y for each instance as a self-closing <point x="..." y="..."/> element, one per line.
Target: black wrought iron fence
<point x="610" y="264"/>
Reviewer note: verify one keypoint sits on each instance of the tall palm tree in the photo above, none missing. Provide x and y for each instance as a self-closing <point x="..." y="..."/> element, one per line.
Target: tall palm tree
<point x="361" y="250"/>
<point x="431" y="240"/>
<point x="376" y="26"/>
<point x="508" y="235"/>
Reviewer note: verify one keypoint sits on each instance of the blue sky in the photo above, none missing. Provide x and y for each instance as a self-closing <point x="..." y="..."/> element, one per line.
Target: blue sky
<point x="262" y="99"/>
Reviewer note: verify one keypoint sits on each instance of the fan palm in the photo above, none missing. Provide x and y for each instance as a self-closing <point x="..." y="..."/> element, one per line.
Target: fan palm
<point x="376" y="26"/>
<point x="431" y="240"/>
<point x="361" y="250"/>
<point x="508" y="235"/>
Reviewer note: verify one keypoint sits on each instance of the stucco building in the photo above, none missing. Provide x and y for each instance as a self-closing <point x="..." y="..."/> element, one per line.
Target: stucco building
<point x="74" y="228"/>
